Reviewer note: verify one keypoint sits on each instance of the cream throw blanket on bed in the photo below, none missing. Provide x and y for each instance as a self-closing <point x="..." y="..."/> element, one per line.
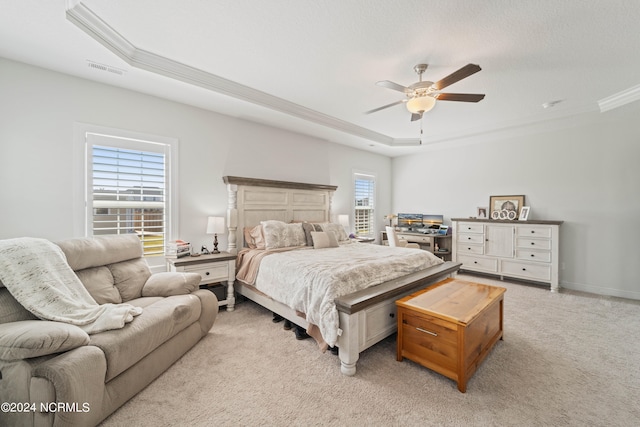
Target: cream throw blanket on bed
<point x="37" y="275"/>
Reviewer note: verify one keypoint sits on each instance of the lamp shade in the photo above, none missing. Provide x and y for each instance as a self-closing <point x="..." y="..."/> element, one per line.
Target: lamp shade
<point x="215" y="225"/>
<point x="421" y="104"/>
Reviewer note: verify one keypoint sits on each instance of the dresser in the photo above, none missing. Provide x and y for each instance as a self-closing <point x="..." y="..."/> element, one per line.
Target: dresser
<point x="214" y="269"/>
<point x="527" y="250"/>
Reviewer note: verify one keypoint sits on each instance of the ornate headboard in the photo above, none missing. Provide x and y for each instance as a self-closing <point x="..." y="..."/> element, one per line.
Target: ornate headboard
<point x="252" y="200"/>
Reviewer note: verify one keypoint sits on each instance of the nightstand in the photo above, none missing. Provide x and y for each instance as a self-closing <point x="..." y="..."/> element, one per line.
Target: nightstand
<point x="214" y="269"/>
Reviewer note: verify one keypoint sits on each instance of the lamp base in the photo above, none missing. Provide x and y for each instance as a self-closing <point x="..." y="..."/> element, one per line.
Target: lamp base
<point x="215" y="244"/>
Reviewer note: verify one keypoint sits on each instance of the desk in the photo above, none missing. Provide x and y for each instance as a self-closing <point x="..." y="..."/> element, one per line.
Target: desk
<point x="427" y="242"/>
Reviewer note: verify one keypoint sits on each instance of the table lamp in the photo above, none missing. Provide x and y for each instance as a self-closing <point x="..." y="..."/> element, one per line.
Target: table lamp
<point x="215" y="225"/>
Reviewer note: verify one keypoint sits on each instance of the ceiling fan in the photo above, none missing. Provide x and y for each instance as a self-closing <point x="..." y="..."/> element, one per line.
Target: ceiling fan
<point x="422" y="95"/>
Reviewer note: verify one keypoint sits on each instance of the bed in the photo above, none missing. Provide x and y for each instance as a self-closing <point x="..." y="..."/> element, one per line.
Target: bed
<point x="363" y="316"/>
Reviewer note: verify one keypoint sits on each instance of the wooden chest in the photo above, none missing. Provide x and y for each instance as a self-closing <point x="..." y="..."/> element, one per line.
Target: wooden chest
<point x="450" y="327"/>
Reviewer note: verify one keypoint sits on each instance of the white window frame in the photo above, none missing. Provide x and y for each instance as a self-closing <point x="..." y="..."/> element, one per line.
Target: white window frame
<point x="85" y="136"/>
<point x="357" y="175"/>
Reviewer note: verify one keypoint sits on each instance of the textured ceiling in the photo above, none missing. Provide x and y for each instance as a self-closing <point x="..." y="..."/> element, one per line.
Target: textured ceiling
<point x="311" y="66"/>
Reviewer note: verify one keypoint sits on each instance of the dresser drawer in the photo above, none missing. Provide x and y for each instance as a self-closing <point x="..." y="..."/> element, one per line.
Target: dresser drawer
<point x="534" y="231"/>
<point x="470" y="227"/>
<point x="465" y="248"/>
<point x="478" y="239"/>
<point x="212" y="273"/>
<point x="533" y="255"/>
<point x="477" y="263"/>
<point x="532" y="271"/>
<point x="534" y="243"/>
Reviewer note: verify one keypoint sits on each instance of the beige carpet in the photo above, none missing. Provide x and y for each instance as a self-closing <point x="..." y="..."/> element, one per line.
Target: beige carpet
<point x="567" y="359"/>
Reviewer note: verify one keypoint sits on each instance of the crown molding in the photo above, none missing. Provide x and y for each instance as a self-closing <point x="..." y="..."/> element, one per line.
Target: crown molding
<point x="619" y="99"/>
<point x="90" y="23"/>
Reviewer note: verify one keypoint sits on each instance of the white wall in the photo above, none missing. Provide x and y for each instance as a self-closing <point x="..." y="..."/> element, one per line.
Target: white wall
<point x="587" y="175"/>
<point x="38" y="109"/>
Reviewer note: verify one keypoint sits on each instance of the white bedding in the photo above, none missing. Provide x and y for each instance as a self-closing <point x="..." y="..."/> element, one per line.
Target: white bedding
<point x="309" y="280"/>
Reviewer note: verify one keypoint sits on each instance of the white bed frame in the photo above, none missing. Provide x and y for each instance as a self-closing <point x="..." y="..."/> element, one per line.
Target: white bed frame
<point x="365" y="317"/>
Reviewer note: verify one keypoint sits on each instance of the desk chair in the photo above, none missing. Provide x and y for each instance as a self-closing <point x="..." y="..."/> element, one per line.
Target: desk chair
<point x="394" y="241"/>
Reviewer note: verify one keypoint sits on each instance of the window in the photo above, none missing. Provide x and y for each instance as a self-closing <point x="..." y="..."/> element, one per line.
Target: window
<point x="364" y="190"/>
<point x="128" y="187"/>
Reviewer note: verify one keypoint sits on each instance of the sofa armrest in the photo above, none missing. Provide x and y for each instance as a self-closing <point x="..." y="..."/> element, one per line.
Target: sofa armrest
<point x="209" y="303"/>
<point x="78" y="377"/>
<point x="33" y="338"/>
<point x="171" y="283"/>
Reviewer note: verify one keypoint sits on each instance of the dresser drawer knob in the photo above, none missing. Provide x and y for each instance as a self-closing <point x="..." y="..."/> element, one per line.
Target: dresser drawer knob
<point x="524" y="269"/>
<point x="427" y="332"/>
<point x="207" y="273"/>
<point x="392" y="315"/>
<point x="532" y="255"/>
<point x="532" y="243"/>
<point x="532" y="231"/>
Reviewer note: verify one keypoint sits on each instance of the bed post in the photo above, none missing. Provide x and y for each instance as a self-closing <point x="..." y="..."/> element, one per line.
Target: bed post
<point x="232" y="219"/>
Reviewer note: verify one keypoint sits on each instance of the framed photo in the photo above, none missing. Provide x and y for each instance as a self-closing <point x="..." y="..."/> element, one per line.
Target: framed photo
<point x="505" y="207"/>
<point x="482" y="213"/>
<point x="524" y="213"/>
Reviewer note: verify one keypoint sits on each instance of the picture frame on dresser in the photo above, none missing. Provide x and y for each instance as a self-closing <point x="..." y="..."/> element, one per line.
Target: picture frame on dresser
<point x="501" y="205"/>
<point x="524" y="213"/>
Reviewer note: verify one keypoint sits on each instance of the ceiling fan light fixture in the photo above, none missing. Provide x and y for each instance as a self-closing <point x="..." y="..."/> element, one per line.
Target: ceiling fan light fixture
<point x="421" y="104"/>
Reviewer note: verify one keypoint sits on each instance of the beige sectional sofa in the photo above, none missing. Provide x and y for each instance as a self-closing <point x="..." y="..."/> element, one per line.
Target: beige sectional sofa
<point x="55" y="374"/>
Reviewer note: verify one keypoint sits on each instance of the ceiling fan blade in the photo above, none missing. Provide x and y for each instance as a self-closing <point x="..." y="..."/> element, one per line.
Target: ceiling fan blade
<point x="385" y="106"/>
<point x="463" y="97"/>
<point x="456" y="76"/>
<point x="416" y="116"/>
<point x="393" y="86"/>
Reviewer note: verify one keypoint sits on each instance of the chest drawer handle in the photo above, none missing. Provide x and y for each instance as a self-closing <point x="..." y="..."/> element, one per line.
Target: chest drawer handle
<point x="427" y="332"/>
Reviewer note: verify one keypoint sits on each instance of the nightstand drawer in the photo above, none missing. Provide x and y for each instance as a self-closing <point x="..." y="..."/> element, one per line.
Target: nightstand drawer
<point x="211" y="273"/>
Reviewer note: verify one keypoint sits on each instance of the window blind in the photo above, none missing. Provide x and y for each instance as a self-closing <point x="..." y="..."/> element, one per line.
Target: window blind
<point x="364" y="192"/>
<point x="128" y="194"/>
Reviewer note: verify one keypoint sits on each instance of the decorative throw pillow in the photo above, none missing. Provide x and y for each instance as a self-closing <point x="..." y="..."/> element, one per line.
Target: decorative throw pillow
<point x="34" y="338"/>
<point x="171" y="283"/>
<point x="129" y="277"/>
<point x="323" y="239"/>
<point x="336" y="228"/>
<point x="308" y="228"/>
<point x="278" y="234"/>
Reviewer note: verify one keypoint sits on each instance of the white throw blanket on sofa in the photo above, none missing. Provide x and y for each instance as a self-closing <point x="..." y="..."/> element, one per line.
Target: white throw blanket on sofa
<point x="36" y="273"/>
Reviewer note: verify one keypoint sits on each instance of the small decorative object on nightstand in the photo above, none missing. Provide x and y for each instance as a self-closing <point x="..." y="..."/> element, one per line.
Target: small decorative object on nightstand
<point x="215" y="225"/>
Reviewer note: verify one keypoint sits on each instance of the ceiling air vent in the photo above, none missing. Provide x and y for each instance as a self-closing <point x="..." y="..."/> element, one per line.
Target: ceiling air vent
<point x="102" y="67"/>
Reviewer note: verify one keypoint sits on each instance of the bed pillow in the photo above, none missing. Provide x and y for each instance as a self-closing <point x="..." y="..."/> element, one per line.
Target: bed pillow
<point x="258" y="237"/>
<point x="248" y="238"/>
<point x="278" y="234"/>
<point x="322" y="239"/>
<point x="336" y="228"/>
